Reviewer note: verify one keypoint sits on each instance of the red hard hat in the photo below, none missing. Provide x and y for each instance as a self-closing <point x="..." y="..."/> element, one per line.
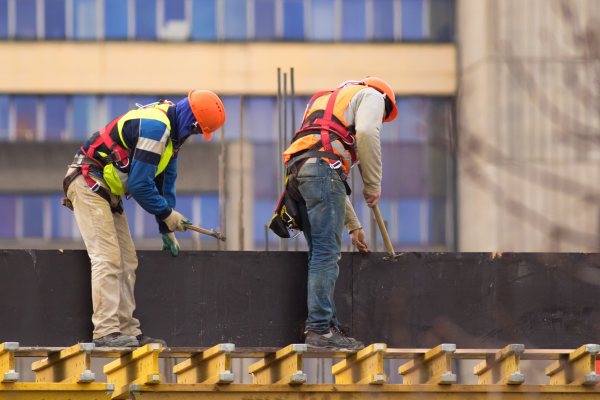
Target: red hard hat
<point x="208" y="111"/>
<point x="382" y="86"/>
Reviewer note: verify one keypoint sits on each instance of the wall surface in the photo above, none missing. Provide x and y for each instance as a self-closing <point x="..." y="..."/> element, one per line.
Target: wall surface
<point x="201" y="298"/>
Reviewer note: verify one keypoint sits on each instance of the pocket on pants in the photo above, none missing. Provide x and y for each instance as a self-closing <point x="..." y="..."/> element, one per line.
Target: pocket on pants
<point x="311" y="189"/>
<point x="336" y="185"/>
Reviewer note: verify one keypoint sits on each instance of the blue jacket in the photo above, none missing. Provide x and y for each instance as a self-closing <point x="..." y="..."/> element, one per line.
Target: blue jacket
<point x="155" y="194"/>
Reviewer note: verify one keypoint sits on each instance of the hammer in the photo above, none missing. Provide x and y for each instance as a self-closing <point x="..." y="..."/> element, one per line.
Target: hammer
<point x="206" y="232"/>
<point x="386" y="239"/>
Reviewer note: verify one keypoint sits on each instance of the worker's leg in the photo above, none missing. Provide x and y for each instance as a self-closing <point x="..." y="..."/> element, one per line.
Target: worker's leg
<point x="325" y="196"/>
<point x="97" y="227"/>
<point x="129" y="262"/>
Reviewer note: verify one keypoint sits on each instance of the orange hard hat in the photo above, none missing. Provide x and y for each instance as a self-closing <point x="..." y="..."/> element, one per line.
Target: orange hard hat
<point x="208" y="111"/>
<point x="380" y="85"/>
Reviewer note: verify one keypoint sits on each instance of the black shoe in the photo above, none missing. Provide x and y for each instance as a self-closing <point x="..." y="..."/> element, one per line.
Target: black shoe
<point x="343" y="332"/>
<point x="331" y="340"/>
<point x="144" y="340"/>
<point x="116" y="339"/>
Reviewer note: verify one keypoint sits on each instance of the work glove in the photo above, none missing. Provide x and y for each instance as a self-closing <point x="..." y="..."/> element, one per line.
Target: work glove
<point x="170" y="243"/>
<point x="176" y="222"/>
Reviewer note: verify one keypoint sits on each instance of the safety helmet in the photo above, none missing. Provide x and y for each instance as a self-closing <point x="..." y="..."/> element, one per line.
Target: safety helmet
<point x="383" y="87"/>
<point x="208" y="111"/>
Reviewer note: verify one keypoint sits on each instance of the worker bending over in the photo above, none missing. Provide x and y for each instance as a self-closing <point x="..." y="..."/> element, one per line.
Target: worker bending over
<point x="134" y="154"/>
<point x="338" y="126"/>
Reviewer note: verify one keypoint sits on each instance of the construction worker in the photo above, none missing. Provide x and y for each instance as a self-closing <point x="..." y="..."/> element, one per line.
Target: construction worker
<point x="134" y="154"/>
<point x="338" y="126"/>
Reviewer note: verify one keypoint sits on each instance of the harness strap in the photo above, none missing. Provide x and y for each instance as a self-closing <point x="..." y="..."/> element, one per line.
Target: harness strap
<point x="100" y="191"/>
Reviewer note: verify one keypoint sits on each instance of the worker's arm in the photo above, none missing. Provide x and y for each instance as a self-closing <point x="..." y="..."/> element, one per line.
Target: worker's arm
<point x="166" y="186"/>
<point x="351" y="221"/>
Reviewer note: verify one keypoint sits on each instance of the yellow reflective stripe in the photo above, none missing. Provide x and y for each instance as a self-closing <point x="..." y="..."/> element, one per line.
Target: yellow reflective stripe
<point x="164" y="160"/>
<point x="147" y="113"/>
<point x="150" y="145"/>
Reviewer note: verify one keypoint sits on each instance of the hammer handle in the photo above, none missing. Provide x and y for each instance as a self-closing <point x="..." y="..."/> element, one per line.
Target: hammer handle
<point x="386" y="239"/>
<point x="206" y="232"/>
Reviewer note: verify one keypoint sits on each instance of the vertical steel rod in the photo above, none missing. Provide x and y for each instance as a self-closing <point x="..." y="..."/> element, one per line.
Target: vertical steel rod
<point x="241" y="215"/>
<point x="279" y="147"/>
<point x="266" y="238"/>
<point x="293" y="97"/>
<point x="284" y="144"/>
<point x="222" y="200"/>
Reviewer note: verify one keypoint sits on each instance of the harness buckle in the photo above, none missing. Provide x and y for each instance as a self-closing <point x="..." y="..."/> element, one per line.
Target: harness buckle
<point x="95" y="188"/>
<point x="335" y="165"/>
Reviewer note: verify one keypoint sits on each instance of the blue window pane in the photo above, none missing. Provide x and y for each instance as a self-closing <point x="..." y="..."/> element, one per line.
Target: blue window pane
<point x="265" y="171"/>
<point x="409" y="221"/>
<point x="232" y="123"/>
<point x="7" y="215"/>
<point x="235" y="19"/>
<point x="62" y="218"/>
<point x="412" y="116"/>
<point x="174" y="9"/>
<point x="175" y="25"/>
<point x="262" y="119"/>
<point x="55" y="113"/>
<point x="84" y="19"/>
<point x="293" y="19"/>
<point x="26" y="108"/>
<point x="209" y="217"/>
<point x="26" y="19"/>
<point x="145" y="19"/>
<point x="441" y="20"/>
<point x="383" y="20"/>
<point x="150" y="226"/>
<point x="412" y="19"/>
<point x="33" y="216"/>
<point x="264" y="19"/>
<point x="185" y="205"/>
<point x="115" y="19"/>
<point x="117" y="106"/>
<point x="3" y="19"/>
<point x="263" y="212"/>
<point x="322" y="21"/>
<point x="203" y="20"/>
<point x="354" y="24"/>
<point x="129" y="206"/>
<point x="85" y="120"/>
<point x="54" y="19"/>
<point x="4" y="104"/>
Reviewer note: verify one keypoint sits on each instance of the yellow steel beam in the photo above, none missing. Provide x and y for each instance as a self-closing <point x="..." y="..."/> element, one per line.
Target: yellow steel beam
<point x="504" y="367"/>
<point x="141" y="366"/>
<point x="7" y="362"/>
<point x="283" y="367"/>
<point x="434" y="367"/>
<point x="362" y="392"/>
<point x="578" y="368"/>
<point x="364" y="367"/>
<point x="225" y="68"/>
<point x="55" y="391"/>
<point x="210" y="366"/>
<point x="72" y="365"/>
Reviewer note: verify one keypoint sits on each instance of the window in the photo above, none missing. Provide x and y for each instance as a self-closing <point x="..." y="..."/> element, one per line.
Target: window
<point x="7" y="216"/>
<point x="204" y="26"/>
<point x="383" y="20"/>
<point x="54" y="19"/>
<point x="26" y="26"/>
<point x="412" y="112"/>
<point x="322" y="21"/>
<point x="235" y="20"/>
<point x="441" y="25"/>
<point x="4" y="113"/>
<point x="412" y="20"/>
<point x="264" y="19"/>
<point x="116" y="106"/>
<point x="115" y="19"/>
<point x="3" y="19"/>
<point x="410" y="221"/>
<point x="62" y="218"/>
<point x="208" y="217"/>
<point x="33" y="216"/>
<point x="84" y="19"/>
<point x="354" y="21"/>
<point x="175" y="26"/>
<point x="55" y="115"/>
<point x="145" y="19"/>
<point x="293" y="19"/>
<point x="85" y="116"/>
<point x="26" y="112"/>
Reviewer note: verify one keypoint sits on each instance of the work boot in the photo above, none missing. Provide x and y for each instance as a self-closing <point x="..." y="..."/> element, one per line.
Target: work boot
<point x="332" y="339"/>
<point x="116" y="339"/>
<point x="343" y="332"/>
<point x="144" y="340"/>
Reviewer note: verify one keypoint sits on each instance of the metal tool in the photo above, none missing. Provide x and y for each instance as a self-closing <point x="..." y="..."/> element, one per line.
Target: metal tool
<point x="386" y="239"/>
<point x="206" y="232"/>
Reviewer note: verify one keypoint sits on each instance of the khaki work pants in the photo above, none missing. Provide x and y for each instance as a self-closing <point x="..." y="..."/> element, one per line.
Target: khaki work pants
<point x="112" y="253"/>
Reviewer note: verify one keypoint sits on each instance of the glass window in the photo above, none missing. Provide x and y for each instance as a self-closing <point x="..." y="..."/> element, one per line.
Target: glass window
<point x="293" y="19"/>
<point x="174" y="9"/>
<point x="84" y="19"/>
<point x="323" y="20"/>
<point x="33" y="216"/>
<point x="263" y="212"/>
<point x="441" y="20"/>
<point x="129" y="207"/>
<point x="7" y="216"/>
<point x="409" y="220"/>
<point x="175" y="25"/>
<point x="354" y="25"/>
<point x="232" y="123"/>
<point x="150" y="225"/>
<point x="264" y="19"/>
<point x="235" y="20"/>
<point x="4" y="113"/>
<point x="412" y="114"/>
<point x="261" y="116"/>
<point x="145" y="19"/>
<point x="85" y="116"/>
<point x="412" y="20"/>
<point x="209" y="217"/>
<point x="62" y="218"/>
<point x="54" y="19"/>
<point x="117" y="105"/>
<point x="203" y="20"/>
<point x="26" y="110"/>
<point x="26" y="19"/>
<point x="115" y="19"/>
<point x="3" y="19"/>
<point x="265" y="171"/>
<point x="383" y="20"/>
<point x="55" y="113"/>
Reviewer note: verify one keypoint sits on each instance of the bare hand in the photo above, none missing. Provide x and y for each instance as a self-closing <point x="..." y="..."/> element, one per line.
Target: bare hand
<point x="372" y="198"/>
<point x="359" y="240"/>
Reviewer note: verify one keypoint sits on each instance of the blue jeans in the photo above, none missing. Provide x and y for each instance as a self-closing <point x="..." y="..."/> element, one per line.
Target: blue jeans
<point x="323" y="225"/>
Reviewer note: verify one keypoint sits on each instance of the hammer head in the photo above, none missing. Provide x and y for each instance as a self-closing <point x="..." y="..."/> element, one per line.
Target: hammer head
<point x="392" y="257"/>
